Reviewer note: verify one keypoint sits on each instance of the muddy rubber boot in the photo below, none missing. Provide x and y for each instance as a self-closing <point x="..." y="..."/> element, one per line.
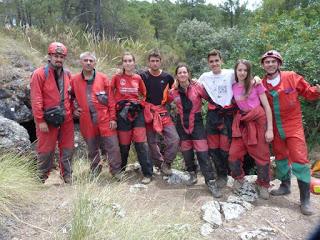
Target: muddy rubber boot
<point x="263" y="192"/>
<point x="66" y="165"/>
<point x="222" y="182"/>
<point x="283" y="189"/>
<point x="237" y="185"/>
<point x="213" y="188"/>
<point x="166" y="169"/>
<point x="193" y="179"/>
<point x="44" y="165"/>
<point x="305" y="206"/>
<point x="145" y="162"/>
<point x="146" y="180"/>
<point x="124" y="151"/>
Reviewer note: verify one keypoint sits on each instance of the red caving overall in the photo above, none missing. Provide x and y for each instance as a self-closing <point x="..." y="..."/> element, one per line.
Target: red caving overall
<point x="129" y="92"/>
<point x="191" y="129"/>
<point x="95" y="98"/>
<point x="45" y="94"/>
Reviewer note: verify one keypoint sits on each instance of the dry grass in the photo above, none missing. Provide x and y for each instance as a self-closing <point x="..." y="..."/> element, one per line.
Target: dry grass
<point x="18" y="182"/>
<point x="104" y="209"/>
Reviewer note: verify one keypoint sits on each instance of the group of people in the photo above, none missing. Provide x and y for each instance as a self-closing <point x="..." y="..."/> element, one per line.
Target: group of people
<point x="244" y="115"/>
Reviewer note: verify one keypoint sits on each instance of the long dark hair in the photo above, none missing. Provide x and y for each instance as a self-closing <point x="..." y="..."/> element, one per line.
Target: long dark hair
<point x="247" y="80"/>
<point x="180" y="65"/>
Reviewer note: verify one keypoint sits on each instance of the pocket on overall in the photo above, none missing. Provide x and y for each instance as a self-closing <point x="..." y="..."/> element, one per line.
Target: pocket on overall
<point x="102" y="97"/>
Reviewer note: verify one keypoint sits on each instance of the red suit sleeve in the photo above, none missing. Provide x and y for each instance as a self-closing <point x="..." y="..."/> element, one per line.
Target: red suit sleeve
<point x="203" y="93"/>
<point x="304" y="89"/>
<point x="111" y="100"/>
<point x="36" y="85"/>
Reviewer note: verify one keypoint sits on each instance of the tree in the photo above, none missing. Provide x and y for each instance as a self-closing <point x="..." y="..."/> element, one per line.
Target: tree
<point x="233" y="10"/>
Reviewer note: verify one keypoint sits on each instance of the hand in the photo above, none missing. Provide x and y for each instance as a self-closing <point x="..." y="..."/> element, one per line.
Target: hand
<point x="113" y="125"/>
<point x="43" y="127"/>
<point x="257" y="80"/>
<point x="119" y="71"/>
<point x="318" y="88"/>
<point x="77" y="112"/>
<point x="269" y="136"/>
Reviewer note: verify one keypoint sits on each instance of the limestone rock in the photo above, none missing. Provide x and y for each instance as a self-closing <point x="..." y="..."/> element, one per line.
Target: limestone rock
<point x="177" y="177"/>
<point x="137" y="187"/>
<point x="264" y="233"/>
<point x="211" y="213"/>
<point x="232" y="210"/>
<point x="13" y="136"/>
<point x="206" y="229"/>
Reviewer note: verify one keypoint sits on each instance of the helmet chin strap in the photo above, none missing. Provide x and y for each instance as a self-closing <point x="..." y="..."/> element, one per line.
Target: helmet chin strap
<point x="272" y="74"/>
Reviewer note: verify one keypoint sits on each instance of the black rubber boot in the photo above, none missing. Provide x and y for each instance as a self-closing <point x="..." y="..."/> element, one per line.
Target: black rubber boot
<point x="143" y="158"/>
<point x="124" y="150"/>
<point x="205" y="165"/>
<point x="220" y="159"/>
<point x="193" y="179"/>
<point x="284" y="188"/>
<point x="214" y="189"/>
<point x="305" y="198"/>
<point x="188" y="157"/>
<point x="66" y="161"/>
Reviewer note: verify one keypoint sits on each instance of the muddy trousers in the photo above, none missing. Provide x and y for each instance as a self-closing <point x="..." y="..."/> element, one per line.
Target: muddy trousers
<point x="46" y="146"/>
<point x="171" y="142"/>
<point x="291" y="156"/>
<point x="203" y="160"/>
<point x="220" y="160"/>
<point x="109" y="146"/>
<point x="143" y="157"/>
<point x="134" y="131"/>
<point x="258" y="151"/>
<point x="45" y="162"/>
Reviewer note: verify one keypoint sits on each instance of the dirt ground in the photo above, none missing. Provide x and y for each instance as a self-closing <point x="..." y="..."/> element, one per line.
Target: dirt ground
<point x="50" y="217"/>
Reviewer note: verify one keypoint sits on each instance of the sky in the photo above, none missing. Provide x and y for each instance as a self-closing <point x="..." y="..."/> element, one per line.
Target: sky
<point x="252" y="4"/>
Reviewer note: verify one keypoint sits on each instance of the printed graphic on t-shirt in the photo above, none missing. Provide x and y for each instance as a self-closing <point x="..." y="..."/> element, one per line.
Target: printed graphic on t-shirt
<point x="222" y="90"/>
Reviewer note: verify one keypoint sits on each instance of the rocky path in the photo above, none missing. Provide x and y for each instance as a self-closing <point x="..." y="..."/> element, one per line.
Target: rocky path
<point x="279" y="218"/>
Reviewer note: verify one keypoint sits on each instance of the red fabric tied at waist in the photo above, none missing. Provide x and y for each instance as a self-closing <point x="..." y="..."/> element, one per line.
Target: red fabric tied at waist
<point x="153" y="113"/>
<point x="246" y="125"/>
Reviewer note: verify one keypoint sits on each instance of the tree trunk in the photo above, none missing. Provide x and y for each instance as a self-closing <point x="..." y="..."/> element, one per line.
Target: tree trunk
<point x="98" y="24"/>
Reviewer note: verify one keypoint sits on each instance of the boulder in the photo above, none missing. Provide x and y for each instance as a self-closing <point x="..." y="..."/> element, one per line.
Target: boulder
<point x="13" y="136"/>
<point x="211" y="213"/>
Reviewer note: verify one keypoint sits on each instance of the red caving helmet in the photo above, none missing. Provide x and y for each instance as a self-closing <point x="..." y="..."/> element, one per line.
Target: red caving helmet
<point x="274" y="54"/>
<point x="57" y="47"/>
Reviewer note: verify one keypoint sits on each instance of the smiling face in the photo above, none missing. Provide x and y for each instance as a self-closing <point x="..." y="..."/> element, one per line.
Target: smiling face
<point x="215" y="62"/>
<point x="88" y="63"/>
<point x="57" y="60"/>
<point x="242" y="72"/>
<point x="271" y="65"/>
<point x="128" y="63"/>
<point x="182" y="75"/>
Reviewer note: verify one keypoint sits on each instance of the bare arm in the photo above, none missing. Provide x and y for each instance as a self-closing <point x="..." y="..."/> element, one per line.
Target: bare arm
<point x="267" y="109"/>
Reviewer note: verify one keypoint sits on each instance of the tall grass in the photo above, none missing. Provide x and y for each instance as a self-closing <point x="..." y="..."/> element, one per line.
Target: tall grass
<point x="18" y="182"/>
<point x="107" y="210"/>
<point x="108" y="50"/>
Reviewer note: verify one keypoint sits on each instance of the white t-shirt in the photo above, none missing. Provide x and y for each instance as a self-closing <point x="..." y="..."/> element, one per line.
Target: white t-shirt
<point x="219" y="86"/>
<point x="274" y="82"/>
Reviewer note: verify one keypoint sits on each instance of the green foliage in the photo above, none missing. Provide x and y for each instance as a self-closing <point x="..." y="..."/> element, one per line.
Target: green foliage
<point x="198" y="38"/>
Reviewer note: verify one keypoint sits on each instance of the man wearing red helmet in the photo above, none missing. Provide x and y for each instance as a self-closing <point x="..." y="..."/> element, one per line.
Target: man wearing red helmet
<point x="289" y="145"/>
<point x="51" y="109"/>
<point x="97" y="113"/>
